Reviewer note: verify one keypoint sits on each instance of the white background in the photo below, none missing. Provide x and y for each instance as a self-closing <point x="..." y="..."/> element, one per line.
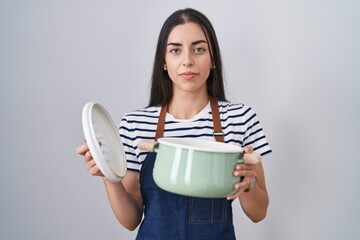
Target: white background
<point x="295" y="62"/>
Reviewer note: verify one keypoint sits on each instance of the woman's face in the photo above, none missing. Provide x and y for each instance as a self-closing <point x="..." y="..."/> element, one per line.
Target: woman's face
<point x="187" y="59"/>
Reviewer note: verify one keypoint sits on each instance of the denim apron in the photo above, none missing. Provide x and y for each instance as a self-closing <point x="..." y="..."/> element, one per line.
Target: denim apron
<point x="172" y="216"/>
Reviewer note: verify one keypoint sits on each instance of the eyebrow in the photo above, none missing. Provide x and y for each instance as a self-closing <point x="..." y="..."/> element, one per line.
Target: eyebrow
<point x="193" y="43"/>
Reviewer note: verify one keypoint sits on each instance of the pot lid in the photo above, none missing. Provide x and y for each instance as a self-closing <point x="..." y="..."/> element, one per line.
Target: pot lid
<point x="102" y="137"/>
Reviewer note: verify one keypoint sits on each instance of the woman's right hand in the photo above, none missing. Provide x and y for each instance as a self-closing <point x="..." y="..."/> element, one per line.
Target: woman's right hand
<point x="89" y="161"/>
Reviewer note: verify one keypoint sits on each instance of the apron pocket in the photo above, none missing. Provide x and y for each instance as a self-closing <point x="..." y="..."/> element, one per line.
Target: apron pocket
<point x="205" y="210"/>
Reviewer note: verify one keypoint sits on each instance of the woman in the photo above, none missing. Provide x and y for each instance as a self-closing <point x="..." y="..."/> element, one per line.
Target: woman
<point x="187" y="98"/>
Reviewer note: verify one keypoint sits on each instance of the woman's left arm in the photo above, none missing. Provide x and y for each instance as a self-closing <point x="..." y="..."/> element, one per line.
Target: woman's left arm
<point x="254" y="201"/>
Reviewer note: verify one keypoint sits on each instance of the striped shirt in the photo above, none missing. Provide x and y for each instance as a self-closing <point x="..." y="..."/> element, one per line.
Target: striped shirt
<point x="239" y="123"/>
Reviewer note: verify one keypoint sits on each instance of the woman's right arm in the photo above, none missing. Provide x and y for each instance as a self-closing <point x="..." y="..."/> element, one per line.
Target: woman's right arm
<point x="124" y="197"/>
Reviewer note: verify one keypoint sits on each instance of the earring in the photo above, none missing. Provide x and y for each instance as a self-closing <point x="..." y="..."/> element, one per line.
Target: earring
<point x="165" y="68"/>
<point x="213" y="67"/>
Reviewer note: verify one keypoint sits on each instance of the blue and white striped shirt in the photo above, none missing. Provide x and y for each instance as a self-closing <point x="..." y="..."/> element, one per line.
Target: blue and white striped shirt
<point x="239" y="123"/>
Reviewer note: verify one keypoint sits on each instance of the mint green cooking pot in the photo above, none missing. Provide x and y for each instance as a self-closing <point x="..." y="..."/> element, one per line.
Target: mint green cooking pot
<point x="193" y="167"/>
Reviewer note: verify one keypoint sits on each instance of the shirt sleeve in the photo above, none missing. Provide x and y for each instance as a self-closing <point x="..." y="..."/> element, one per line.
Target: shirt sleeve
<point x="254" y="135"/>
<point x="127" y="138"/>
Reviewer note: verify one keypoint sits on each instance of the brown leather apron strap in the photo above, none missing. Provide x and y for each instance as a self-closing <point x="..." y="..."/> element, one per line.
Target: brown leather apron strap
<point x="218" y="133"/>
<point x="161" y="122"/>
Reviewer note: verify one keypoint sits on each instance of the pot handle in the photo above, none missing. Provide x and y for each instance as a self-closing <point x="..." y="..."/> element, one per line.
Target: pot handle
<point x="148" y="145"/>
<point x="251" y="158"/>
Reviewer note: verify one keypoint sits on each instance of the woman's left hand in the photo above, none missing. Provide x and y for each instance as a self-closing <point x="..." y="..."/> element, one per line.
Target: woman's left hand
<point x="247" y="171"/>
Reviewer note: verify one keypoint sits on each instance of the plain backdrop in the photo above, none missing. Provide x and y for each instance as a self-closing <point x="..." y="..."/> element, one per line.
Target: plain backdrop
<point x="296" y="62"/>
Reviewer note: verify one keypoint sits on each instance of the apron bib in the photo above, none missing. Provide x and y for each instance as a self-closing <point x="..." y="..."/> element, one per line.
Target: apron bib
<point x="173" y="216"/>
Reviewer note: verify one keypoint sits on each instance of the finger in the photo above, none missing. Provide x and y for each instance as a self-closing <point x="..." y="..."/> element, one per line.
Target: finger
<point x="245" y="173"/>
<point x="240" y="188"/>
<point x="88" y="156"/>
<point x="82" y="149"/>
<point x="95" y="171"/>
<point x="239" y="171"/>
<point x="90" y="164"/>
<point x="243" y="166"/>
<point x="232" y="196"/>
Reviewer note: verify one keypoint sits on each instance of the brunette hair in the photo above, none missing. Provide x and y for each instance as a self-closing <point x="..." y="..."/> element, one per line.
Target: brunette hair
<point x="161" y="85"/>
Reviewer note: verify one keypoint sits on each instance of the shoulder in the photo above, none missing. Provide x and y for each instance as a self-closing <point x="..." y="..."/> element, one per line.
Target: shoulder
<point x="243" y="126"/>
<point x="136" y="126"/>
<point x="145" y="114"/>
<point x="234" y="109"/>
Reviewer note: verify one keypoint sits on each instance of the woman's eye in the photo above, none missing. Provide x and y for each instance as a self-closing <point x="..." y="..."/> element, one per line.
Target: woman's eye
<point x="175" y="51"/>
<point x="199" y="50"/>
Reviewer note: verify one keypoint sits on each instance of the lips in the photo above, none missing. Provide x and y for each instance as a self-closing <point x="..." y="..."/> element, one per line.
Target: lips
<point x="188" y="75"/>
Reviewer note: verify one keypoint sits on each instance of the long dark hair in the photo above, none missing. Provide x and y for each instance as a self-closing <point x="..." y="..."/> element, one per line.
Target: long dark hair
<point x="161" y="85"/>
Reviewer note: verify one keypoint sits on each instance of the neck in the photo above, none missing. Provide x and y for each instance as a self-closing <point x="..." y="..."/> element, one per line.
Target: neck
<point x="186" y="107"/>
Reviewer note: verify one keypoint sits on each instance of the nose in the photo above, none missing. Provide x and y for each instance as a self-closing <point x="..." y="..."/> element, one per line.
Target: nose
<point x="187" y="59"/>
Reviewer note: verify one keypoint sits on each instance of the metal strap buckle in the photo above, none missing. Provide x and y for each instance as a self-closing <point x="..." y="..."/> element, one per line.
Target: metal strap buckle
<point x="218" y="134"/>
